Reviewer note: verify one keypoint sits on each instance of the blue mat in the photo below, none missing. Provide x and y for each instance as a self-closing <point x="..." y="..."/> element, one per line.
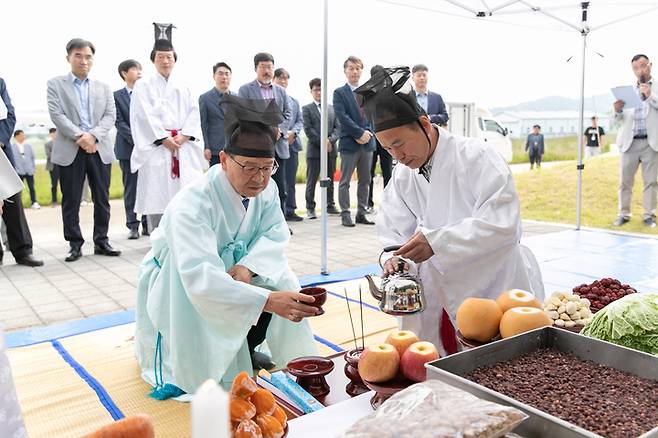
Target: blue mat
<point x="567" y="259"/>
<point x="570" y="258"/>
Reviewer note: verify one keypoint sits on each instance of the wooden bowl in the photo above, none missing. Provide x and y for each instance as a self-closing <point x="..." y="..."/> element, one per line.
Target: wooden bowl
<point x="310" y="372"/>
<point x="384" y="390"/>
<point x="470" y="343"/>
<point x="320" y="295"/>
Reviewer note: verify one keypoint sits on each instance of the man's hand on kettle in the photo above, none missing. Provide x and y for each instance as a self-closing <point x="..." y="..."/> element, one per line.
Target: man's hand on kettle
<point x="392" y="266"/>
<point x="417" y="249"/>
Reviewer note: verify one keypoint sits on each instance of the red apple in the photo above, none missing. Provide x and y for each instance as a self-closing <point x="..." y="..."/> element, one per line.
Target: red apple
<point x="401" y="340"/>
<point x="414" y="359"/>
<point x="379" y="363"/>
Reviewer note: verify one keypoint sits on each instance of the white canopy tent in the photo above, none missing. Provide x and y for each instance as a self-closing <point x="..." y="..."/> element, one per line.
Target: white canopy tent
<point x="572" y="16"/>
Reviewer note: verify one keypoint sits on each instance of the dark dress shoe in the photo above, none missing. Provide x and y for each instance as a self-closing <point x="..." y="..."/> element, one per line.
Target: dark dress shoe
<point x="650" y="222"/>
<point x="311" y="214"/>
<point x="145" y="232"/>
<point x="106" y="249"/>
<point x="346" y="220"/>
<point x="261" y="361"/>
<point x="294" y="217"/>
<point x="73" y="255"/>
<point x="28" y="260"/>
<point x="133" y="234"/>
<point x="362" y="219"/>
<point x="332" y="210"/>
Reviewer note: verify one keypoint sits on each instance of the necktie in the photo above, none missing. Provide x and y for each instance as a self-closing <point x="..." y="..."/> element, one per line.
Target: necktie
<point x="245" y="203"/>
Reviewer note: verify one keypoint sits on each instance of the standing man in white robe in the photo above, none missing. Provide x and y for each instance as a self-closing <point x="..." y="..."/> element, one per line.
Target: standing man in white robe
<point x="451" y="205"/>
<point x="216" y="284"/>
<point x="166" y="129"/>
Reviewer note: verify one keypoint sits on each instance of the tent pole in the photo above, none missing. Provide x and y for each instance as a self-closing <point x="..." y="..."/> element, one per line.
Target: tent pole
<point x="324" y="178"/>
<point x="584" y="31"/>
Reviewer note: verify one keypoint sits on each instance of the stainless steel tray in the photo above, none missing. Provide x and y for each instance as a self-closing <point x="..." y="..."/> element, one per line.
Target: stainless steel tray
<point x="451" y="370"/>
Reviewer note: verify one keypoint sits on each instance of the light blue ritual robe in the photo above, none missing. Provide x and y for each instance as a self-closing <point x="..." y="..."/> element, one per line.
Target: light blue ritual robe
<point x="185" y="295"/>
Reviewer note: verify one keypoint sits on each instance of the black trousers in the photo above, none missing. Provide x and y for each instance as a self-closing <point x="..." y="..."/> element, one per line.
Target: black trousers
<point x="129" y="194"/>
<point x="72" y="178"/>
<point x="386" y="164"/>
<point x="30" y="186"/>
<point x="280" y="179"/>
<point x="312" y="176"/>
<point x="292" y="164"/>
<point x="257" y="333"/>
<point x="534" y="156"/>
<point x="18" y="232"/>
<point x="54" y="182"/>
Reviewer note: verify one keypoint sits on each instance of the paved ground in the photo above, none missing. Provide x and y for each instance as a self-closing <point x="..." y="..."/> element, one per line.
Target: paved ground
<point x="95" y="285"/>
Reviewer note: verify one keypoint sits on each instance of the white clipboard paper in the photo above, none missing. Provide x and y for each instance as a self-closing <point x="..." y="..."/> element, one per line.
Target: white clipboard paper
<point x="629" y="95"/>
<point x="10" y="183"/>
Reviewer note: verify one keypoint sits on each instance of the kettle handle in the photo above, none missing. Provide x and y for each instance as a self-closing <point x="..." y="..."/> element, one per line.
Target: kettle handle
<point x="390" y="249"/>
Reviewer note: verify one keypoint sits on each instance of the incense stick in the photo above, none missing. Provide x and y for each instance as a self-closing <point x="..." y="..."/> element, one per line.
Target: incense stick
<point x="347" y="301"/>
<point x="363" y="346"/>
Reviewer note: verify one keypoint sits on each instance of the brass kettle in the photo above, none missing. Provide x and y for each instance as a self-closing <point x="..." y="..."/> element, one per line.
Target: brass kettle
<point x="400" y="293"/>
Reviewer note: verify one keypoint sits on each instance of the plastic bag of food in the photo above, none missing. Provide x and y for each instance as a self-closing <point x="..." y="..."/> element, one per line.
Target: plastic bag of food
<point x="434" y="409"/>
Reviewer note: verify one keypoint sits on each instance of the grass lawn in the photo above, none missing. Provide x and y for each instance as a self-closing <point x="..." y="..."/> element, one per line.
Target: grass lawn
<point x="549" y="194"/>
<point x="555" y="149"/>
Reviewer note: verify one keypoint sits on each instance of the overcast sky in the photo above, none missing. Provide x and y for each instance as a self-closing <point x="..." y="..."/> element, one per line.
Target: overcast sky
<point x="501" y="60"/>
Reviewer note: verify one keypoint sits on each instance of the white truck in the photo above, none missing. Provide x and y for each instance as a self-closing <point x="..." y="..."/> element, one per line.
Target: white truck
<point x="470" y="121"/>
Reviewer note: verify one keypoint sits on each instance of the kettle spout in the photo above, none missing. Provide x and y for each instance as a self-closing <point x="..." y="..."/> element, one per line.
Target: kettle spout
<point x="374" y="290"/>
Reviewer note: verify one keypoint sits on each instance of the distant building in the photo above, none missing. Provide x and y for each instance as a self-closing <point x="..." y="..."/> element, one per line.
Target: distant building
<point x="553" y="123"/>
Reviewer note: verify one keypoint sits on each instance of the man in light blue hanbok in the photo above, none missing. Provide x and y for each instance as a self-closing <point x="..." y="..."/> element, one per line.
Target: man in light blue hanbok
<point x="216" y="283"/>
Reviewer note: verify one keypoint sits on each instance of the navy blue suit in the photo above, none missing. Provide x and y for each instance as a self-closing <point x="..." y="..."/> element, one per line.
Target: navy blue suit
<point x="352" y="122"/>
<point x="18" y="232"/>
<point x="436" y="109"/>
<point x="7" y="125"/>
<point x="212" y="122"/>
<point x="123" y="149"/>
<point x="353" y="155"/>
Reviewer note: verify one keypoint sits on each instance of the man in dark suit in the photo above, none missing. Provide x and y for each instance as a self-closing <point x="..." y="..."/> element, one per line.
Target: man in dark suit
<point x="18" y="232"/>
<point x="212" y="113"/>
<point x="83" y="111"/>
<point x="263" y="88"/>
<point x="130" y="71"/>
<point x="312" y="116"/>
<point x="357" y="143"/>
<point x="431" y="102"/>
<point x="292" y="131"/>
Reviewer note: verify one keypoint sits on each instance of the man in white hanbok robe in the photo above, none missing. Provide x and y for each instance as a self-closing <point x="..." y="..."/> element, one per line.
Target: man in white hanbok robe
<point x="452" y="205"/>
<point x="217" y="264"/>
<point x="166" y="129"/>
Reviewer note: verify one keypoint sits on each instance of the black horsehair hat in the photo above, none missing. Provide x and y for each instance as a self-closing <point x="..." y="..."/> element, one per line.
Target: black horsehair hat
<point x="389" y="99"/>
<point x="250" y="126"/>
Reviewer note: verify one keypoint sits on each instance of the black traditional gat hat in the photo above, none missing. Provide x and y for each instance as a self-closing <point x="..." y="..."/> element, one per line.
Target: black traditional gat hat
<point x="163" y="41"/>
<point x="388" y="98"/>
<point x="250" y="126"/>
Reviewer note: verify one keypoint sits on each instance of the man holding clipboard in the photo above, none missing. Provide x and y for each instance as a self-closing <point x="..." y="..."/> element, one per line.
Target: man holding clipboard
<point x="639" y="142"/>
<point x="18" y="232"/>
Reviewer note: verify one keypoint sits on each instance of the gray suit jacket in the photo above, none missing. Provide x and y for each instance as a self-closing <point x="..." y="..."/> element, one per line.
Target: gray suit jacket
<point x="295" y="124"/>
<point x="251" y="90"/>
<point x="64" y="109"/>
<point x="627" y="119"/>
<point x="48" y="147"/>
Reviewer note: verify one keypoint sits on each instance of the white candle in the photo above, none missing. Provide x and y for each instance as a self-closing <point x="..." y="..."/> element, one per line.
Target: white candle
<point x="210" y="412"/>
